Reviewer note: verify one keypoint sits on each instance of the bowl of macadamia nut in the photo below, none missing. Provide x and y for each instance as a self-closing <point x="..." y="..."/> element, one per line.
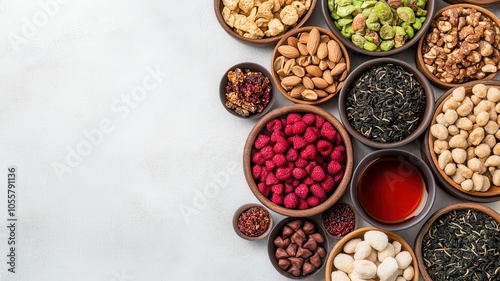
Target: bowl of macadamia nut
<point x="371" y="253"/>
<point x="462" y="143"/>
<point x="462" y="45"/>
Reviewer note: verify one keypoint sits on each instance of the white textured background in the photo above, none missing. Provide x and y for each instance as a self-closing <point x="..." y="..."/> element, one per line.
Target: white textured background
<point x="116" y="216"/>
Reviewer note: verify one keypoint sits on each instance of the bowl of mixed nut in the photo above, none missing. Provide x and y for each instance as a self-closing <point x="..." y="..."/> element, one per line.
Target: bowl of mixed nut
<point x="461" y="45"/>
<point x="262" y="22"/>
<point x="246" y="90"/>
<point x="461" y="144"/>
<point x="309" y="65"/>
<point x="378" y="28"/>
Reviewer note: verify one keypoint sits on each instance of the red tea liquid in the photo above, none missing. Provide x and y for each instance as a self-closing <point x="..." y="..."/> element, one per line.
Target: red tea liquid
<point x="391" y="190"/>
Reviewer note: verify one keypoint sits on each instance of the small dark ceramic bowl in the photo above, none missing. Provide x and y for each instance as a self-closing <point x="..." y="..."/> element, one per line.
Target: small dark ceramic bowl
<point x="366" y="66"/>
<point x="265" y="41"/>
<point x="271" y="247"/>
<point x="244" y="208"/>
<point x="426" y="202"/>
<point x="338" y="236"/>
<point x="331" y="25"/>
<point x="253" y="67"/>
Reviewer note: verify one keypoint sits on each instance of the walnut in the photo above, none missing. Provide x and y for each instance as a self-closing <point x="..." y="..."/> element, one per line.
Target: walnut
<point x="489" y="36"/>
<point x="474" y="57"/>
<point x="465" y="31"/>
<point x="473" y="38"/>
<point x="485" y="48"/>
<point x="452" y="15"/>
<point x="461" y="23"/>
<point x="444" y="26"/>
<point x="472" y="17"/>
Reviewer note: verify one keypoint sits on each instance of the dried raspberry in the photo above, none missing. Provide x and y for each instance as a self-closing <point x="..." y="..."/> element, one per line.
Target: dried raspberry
<point x="261" y="141"/>
<point x="328" y="183"/>
<point x="258" y="159"/>
<point x="299" y="173"/>
<point x="318" y="191"/>
<point x="299" y="127"/>
<point x="301" y="163"/>
<point x="293" y="117"/>
<point x="267" y="152"/>
<point x="302" y="191"/>
<point x="273" y="125"/>
<point x="289" y="188"/>
<point x="263" y="175"/>
<point x="338" y="177"/>
<point x="292" y="155"/>
<point x="256" y="170"/>
<point x="313" y="201"/>
<point x="310" y="166"/>
<point x="295" y="182"/>
<point x="299" y="142"/>
<point x="308" y="181"/>
<point x="309" y="119"/>
<point x="338" y="140"/>
<point x="271" y="179"/>
<point x="270" y="165"/>
<point x="324" y="147"/>
<point x="277" y="136"/>
<point x="280" y="147"/>
<point x="289" y="130"/>
<point x="279" y="160"/>
<point x="328" y="131"/>
<point x="318" y="174"/>
<point x="338" y="155"/>
<point x="302" y="204"/>
<point x="277" y="199"/>
<point x="310" y="135"/>
<point x="319" y="121"/>
<point x="283" y="173"/>
<point x="264" y="189"/>
<point x="278" y="188"/>
<point x="309" y="152"/>
<point x="291" y="200"/>
<point x="334" y="167"/>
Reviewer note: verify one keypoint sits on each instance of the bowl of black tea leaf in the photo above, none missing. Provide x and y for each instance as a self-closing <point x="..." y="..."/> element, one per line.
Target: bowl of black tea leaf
<point x="460" y="242"/>
<point x="386" y="103"/>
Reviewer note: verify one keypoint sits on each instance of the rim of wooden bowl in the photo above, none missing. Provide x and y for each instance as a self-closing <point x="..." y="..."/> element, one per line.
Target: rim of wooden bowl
<point x="430" y="6"/>
<point x="342" y="186"/>
<point x="358" y="233"/>
<point x="266" y="40"/>
<point x="419" y="62"/>
<point x="277" y="80"/>
<point x="457" y="206"/>
<point x="243" y="208"/>
<point x="483" y="3"/>
<point x="493" y="194"/>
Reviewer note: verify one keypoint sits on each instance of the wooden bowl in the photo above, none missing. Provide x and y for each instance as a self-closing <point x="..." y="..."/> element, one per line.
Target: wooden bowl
<point x="366" y="66"/>
<point x="419" y="57"/>
<point x="242" y="209"/>
<point x="249" y="148"/>
<point x="428" y="154"/>
<point x="359" y="233"/>
<point x="265" y="41"/>
<point x="484" y="3"/>
<point x="356" y="220"/>
<point x="425" y="228"/>
<point x="347" y="42"/>
<point x="338" y="78"/>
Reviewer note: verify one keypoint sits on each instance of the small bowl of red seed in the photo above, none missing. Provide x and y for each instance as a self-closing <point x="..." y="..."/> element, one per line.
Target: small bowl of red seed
<point x="246" y="90"/>
<point x="252" y="221"/>
<point x="339" y="220"/>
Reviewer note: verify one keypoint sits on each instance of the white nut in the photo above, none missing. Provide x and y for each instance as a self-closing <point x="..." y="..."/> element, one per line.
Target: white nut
<point x="450" y="169"/>
<point x="459" y="94"/>
<point x="491" y="127"/>
<point x="478" y="181"/>
<point x="459" y="155"/>
<point x="387" y="252"/>
<point x="476" y="136"/>
<point x="339" y="275"/>
<point x="467" y="185"/>
<point x="493" y="94"/>
<point x="344" y="262"/>
<point x="408" y="273"/>
<point x="464" y="123"/>
<point x="403" y="259"/>
<point x="482" y="118"/>
<point x="439" y="131"/>
<point x="453" y="130"/>
<point x="365" y="269"/>
<point x="458" y="141"/>
<point x="450" y="116"/>
<point x="440" y="146"/>
<point x="482" y="150"/>
<point x="397" y="247"/>
<point x="350" y="246"/>
<point x="444" y="159"/>
<point x="363" y="250"/>
<point x="464" y="171"/>
<point x="476" y="165"/>
<point x="492" y="161"/>
<point x="479" y="90"/>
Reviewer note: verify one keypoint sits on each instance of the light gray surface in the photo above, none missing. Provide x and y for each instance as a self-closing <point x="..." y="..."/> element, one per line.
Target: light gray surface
<point x="117" y="214"/>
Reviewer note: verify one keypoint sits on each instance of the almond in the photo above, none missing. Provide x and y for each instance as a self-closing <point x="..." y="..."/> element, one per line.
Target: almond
<point x="302" y="49"/>
<point x="292" y="41"/>
<point x="334" y="51"/>
<point x="288" y="51"/>
<point x="298" y="70"/>
<point x="322" y="51"/>
<point x="324" y="38"/>
<point x="313" y="41"/>
<point x="327" y="76"/>
<point x="340" y="85"/>
<point x="308" y="94"/>
<point x="288" y="66"/>
<point x="296" y="91"/>
<point x="279" y="62"/>
<point x="304" y="37"/>
<point x="291" y="81"/>
<point x="315" y="60"/>
<point x="281" y="73"/>
<point x="321" y="93"/>
<point x="330" y="63"/>
<point x="338" y="69"/>
<point x="307" y="82"/>
<point x="323" y="65"/>
<point x="343" y="76"/>
<point x="319" y="83"/>
<point x="332" y="89"/>
<point x="314" y="70"/>
<point x="304" y="60"/>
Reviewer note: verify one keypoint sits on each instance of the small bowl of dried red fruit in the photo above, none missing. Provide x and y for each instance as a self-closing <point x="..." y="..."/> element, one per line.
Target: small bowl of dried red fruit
<point x="298" y="160"/>
<point x="339" y="220"/>
<point x="246" y="90"/>
<point x="252" y="221"/>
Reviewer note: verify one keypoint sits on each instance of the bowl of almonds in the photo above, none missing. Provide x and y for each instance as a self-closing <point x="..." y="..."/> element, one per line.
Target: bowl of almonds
<point x="310" y="65"/>
<point x="461" y="144"/>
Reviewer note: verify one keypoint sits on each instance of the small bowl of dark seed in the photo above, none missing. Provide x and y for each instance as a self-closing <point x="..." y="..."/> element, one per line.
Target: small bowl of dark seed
<point x="460" y="242"/>
<point x="246" y="90"/>
<point x="386" y="103"/>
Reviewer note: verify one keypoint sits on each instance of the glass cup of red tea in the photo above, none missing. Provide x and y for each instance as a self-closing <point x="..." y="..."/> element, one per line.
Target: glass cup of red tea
<point x="393" y="189"/>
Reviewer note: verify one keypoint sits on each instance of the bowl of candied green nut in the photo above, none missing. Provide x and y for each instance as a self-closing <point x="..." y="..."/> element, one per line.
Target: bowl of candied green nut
<point x="461" y="144"/>
<point x="378" y="27"/>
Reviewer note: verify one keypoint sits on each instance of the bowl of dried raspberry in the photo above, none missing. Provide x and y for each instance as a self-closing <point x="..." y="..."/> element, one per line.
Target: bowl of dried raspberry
<point x="246" y="90"/>
<point x="298" y="160"/>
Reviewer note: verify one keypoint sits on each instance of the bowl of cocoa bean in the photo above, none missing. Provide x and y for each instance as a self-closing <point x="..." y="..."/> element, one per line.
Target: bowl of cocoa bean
<point x="246" y="90"/>
<point x="252" y="221"/>
<point x="461" y="45"/>
<point x="298" y="160"/>
<point x="297" y="247"/>
<point x="386" y="103"/>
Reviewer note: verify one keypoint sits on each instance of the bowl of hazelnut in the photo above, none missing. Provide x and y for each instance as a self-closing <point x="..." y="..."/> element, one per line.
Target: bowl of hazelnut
<point x="461" y="45"/>
<point x="461" y="144"/>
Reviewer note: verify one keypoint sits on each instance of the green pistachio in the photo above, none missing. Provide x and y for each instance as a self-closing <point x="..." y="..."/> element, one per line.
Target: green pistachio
<point x="343" y="3"/>
<point x="421" y="3"/>
<point x="386" y="45"/>
<point x="344" y="22"/>
<point x="368" y="4"/>
<point x="421" y="12"/>
<point x="366" y="12"/>
<point x="406" y="14"/>
<point x="331" y="4"/>
<point x="409" y="31"/>
<point x="358" y="24"/>
<point x="345" y="11"/>
<point x="383" y="11"/>
<point x="334" y="15"/>
<point x="400" y="36"/>
<point x="369" y="46"/>
<point x="387" y="32"/>
<point x="417" y="25"/>
<point x="358" y="40"/>
<point x="372" y="22"/>
<point x="347" y="31"/>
